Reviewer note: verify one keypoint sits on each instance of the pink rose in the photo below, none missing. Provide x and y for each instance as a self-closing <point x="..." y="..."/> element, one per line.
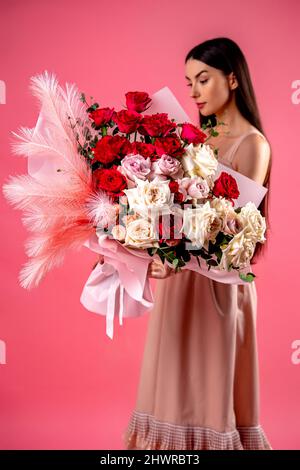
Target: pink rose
<point x="192" y="134"/>
<point x="198" y="188"/>
<point x="167" y="166"/>
<point x="232" y="224"/>
<point x="135" y="166"/>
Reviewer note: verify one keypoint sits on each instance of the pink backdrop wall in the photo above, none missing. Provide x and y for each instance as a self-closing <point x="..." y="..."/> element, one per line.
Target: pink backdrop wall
<point x="65" y="384"/>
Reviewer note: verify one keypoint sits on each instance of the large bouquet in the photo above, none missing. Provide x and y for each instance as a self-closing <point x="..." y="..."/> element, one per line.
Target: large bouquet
<point x="130" y="186"/>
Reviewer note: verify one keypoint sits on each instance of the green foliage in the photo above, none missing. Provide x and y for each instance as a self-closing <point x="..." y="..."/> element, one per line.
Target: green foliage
<point x="249" y="277"/>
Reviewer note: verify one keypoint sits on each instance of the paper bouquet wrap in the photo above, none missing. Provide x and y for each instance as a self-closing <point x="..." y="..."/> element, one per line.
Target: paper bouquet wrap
<point x="80" y="168"/>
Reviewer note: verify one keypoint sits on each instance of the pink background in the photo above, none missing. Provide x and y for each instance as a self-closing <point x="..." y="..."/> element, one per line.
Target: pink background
<point x="65" y="384"/>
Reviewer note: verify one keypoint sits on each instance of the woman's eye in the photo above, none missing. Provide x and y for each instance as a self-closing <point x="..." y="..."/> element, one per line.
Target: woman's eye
<point x="201" y="81"/>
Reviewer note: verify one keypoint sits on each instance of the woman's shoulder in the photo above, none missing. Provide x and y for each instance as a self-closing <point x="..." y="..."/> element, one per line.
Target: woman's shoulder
<point x="252" y="139"/>
<point x="252" y="156"/>
<point x="256" y="135"/>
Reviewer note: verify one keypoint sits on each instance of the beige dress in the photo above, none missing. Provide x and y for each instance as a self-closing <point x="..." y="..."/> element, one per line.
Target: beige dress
<point x="199" y="380"/>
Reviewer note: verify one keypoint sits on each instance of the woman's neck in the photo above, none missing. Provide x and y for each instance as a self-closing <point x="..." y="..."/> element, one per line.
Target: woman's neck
<point x="235" y="123"/>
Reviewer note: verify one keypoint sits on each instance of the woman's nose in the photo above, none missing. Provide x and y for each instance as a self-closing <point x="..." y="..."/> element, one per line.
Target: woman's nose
<point x="194" y="92"/>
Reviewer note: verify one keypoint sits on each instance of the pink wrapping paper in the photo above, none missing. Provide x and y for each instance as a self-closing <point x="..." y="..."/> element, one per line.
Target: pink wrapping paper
<point x="121" y="286"/>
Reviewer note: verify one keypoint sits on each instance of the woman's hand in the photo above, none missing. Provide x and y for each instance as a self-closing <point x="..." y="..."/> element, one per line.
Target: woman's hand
<point x="159" y="270"/>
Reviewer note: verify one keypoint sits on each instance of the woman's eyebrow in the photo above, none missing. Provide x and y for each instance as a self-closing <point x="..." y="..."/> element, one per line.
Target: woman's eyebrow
<point x="198" y="74"/>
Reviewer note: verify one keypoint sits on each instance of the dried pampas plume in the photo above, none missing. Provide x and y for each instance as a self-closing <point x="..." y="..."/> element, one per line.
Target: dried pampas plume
<point x="54" y="208"/>
<point x="101" y="210"/>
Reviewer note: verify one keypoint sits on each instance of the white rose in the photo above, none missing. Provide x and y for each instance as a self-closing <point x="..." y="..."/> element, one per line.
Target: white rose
<point x="200" y="224"/>
<point x="254" y="222"/>
<point x="119" y="232"/>
<point x="238" y="252"/>
<point x="141" y="234"/>
<point x="199" y="160"/>
<point x="154" y="195"/>
<point x="221" y="204"/>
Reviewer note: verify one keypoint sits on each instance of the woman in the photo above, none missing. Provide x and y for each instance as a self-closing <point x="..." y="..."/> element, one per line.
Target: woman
<point x="199" y="383"/>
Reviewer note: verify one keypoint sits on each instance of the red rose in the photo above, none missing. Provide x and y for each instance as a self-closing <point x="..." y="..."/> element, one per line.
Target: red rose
<point x="127" y="120"/>
<point x="146" y="150"/>
<point x="178" y="197"/>
<point x="169" y="145"/>
<point x="101" y="116"/>
<point x="170" y="233"/>
<point x="192" y="134"/>
<point x="110" y="148"/>
<point x="137" y="101"/>
<point x="121" y="145"/>
<point x="174" y="186"/>
<point x="156" y="125"/>
<point x="103" y="152"/>
<point x="110" y="180"/>
<point x="226" y="186"/>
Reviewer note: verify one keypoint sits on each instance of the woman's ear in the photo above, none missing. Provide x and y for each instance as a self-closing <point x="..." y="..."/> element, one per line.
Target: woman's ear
<point x="233" y="83"/>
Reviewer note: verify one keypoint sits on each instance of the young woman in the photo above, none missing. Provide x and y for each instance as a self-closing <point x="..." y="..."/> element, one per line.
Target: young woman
<point x="199" y="382"/>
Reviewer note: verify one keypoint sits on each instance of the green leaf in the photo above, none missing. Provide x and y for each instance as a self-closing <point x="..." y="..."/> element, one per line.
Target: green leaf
<point x="150" y="251"/>
<point x="175" y="262"/>
<point x="249" y="277"/>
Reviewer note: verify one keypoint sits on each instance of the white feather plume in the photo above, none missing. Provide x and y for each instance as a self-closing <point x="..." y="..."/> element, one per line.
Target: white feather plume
<point x="54" y="208"/>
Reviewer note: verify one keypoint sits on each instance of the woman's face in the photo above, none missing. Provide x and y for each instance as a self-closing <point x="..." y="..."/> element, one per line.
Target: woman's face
<point x="208" y="85"/>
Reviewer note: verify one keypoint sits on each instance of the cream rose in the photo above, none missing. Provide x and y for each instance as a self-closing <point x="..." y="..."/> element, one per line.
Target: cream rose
<point x="141" y="234"/>
<point x="254" y="222"/>
<point x="154" y="195"/>
<point x="221" y="205"/>
<point x="238" y="252"/>
<point x="199" y="160"/>
<point x="200" y="224"/>
<point x="119" y="232"/>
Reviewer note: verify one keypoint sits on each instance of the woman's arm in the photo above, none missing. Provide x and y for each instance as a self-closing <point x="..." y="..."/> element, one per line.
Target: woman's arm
<point x="252" y="158"/>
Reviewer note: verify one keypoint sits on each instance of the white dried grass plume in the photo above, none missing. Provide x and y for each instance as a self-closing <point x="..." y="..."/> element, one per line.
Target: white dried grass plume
<point x="101" y="209"/>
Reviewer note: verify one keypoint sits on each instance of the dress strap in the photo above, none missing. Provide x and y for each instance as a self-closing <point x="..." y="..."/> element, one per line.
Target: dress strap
<point x="232" y="150"/>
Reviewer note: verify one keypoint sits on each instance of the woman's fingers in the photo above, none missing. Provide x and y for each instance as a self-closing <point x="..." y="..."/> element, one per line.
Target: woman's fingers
<point x="159" y="270"/>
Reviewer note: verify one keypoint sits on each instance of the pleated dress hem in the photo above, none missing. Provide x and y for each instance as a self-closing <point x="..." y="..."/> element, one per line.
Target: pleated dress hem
<point x="144" y="432"/>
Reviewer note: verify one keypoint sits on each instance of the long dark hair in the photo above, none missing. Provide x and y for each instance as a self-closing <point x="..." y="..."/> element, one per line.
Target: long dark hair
<point x="224" y="54"/>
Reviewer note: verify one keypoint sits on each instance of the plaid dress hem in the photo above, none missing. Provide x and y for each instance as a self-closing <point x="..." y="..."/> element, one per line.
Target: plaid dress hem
<point x="146" y="432"/>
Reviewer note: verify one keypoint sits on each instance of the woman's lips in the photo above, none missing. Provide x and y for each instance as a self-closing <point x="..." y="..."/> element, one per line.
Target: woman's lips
<point x="200" y="105"/>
